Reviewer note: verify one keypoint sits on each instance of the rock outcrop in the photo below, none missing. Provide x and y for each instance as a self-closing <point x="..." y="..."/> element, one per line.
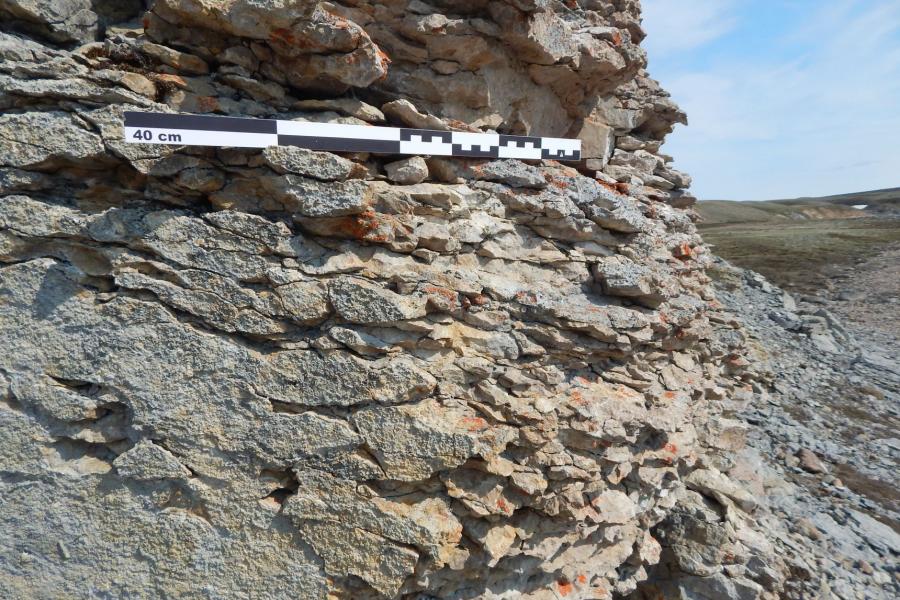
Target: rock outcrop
<point x="232" y="373"/>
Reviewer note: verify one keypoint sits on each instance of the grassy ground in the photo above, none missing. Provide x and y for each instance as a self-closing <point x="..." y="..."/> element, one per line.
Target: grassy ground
<point x="716" y="212"/>
<point x="800" y="255"/>
<point x="877" y="203"/>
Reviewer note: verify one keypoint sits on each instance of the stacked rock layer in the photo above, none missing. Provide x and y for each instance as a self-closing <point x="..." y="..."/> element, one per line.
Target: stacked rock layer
<point x="232" y="373"/>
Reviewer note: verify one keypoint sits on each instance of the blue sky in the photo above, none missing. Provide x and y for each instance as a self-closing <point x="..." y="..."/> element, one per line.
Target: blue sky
<point x="785" y="98"/>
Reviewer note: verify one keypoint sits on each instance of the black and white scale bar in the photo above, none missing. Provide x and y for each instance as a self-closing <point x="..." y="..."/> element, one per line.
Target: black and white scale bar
<point x="235" y="132"/>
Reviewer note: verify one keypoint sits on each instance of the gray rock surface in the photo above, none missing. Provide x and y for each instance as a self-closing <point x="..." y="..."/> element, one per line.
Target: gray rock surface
<point x="820" y="459"/>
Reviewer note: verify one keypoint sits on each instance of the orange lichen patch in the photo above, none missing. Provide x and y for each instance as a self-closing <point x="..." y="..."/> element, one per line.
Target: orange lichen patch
<point x="582" y="380"/>
<point x="503" y="505"/>
<point x="737" y="361"/>
<point x="446" y="293"/>
<point x="383" y="58"/>
<point x="457" y="125"/>
<point x="683" y="251"/>
<point x="208" y="103"/>
<point x="365" y="226"/>
<point x="171" y="79"/>
<point x="670" y="447"/>
<point x="565" y="588"/>
<point x="282" y="35"/>
<point x="582" y="578"/>
<point x="480" y="300"/>
<point x="669" y="395"/>
<point x="285" y="36"/>
<point x="576" y="398"/>
<point x="526" y="296"/>
<point x="617" y="38"/>
<point x="618" y="187"/>
<point x="474" y="424"/>
<point x="559" y="183"/>
<point x="368" y="226"/>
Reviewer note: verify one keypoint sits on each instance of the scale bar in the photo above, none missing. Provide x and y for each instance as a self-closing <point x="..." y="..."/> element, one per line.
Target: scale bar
<point x="240" y="132"/>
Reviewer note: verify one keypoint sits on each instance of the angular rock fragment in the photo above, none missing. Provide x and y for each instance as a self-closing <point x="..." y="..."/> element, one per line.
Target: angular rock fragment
<point x="359" y="301"/>
<point x="408" y="171"/>
<point x="318" y="165"/>
<point x="413" y="441"/>
<point x="148" y="461"/>
<point x="34" y="139"/>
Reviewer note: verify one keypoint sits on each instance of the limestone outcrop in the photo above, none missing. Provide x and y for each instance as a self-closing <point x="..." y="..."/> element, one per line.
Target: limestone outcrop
<point x="235" y="373"/>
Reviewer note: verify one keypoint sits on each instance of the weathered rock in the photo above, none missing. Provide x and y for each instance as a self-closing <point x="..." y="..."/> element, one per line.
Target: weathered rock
<point x="278" y="370"/>
<point x="60" y="20"/>
<point x="319" y="165"/>
<point x="363" y="302"/>
<point x="810" y="462"/>
<point x="36" y="139"/>
<point x="147" y="461"/>
<point x="408" y="171"/>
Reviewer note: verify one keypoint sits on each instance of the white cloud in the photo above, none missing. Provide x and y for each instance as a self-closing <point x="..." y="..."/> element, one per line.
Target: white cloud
<point x="686" y="24"/>
<point x="816" y="113"/>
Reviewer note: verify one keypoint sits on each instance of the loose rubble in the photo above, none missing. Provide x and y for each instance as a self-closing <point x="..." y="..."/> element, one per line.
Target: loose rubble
<point x="821" y="452"/>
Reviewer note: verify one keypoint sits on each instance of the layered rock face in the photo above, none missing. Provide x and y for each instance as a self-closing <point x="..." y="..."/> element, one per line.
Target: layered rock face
<point x="233" y="373"/>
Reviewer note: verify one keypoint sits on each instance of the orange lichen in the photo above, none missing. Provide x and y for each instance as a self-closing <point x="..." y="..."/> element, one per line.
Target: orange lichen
<point x="556" y="181"/>
<point x="362" y="227"/>
<point x="565" y="588"/>
<point x="683" y="251"/>
<point x="473" y="424"/>
<point x="384" y="59"/>
<point x="445" y="293"/>
<point x="208" y="103"/>
<point x="170" y="78"/>
<point x="526" y="296"/>
<point x="618" y="187"/>
<point x="480" y="300"/>
<point x="282" y="35"/>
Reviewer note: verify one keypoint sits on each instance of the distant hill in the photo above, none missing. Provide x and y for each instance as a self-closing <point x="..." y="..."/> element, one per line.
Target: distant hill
<point x="841" y="206"/>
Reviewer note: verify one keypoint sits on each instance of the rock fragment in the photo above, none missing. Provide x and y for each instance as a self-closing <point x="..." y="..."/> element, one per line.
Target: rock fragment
<point x="408" y="171"/>
<point x="810" y="462"/>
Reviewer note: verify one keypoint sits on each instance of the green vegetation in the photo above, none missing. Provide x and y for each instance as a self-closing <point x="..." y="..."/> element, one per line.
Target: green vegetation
<point x="798" y="255"/>
<point x="878" y="202"/>
<point x="799" y="243"/>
